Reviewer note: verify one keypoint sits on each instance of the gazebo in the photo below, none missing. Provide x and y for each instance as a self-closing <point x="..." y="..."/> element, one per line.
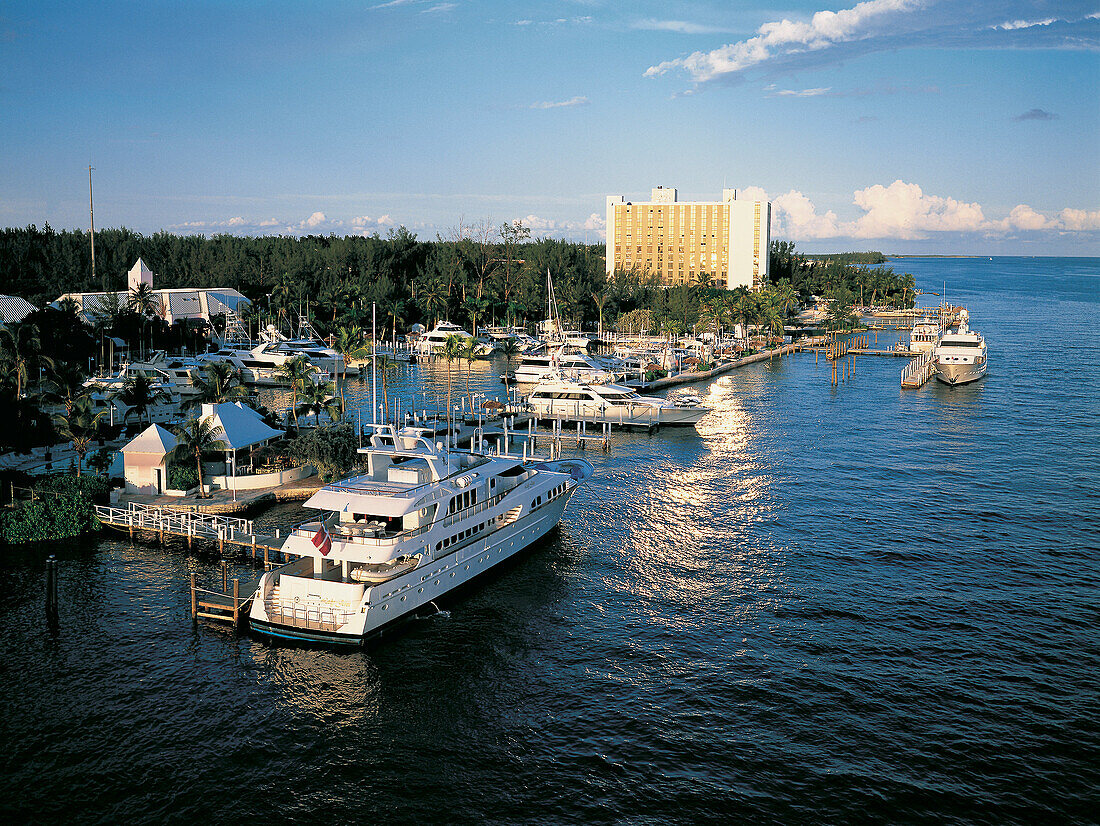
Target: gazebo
<point x="145" y="460"/>
<point x="241" y="428"/>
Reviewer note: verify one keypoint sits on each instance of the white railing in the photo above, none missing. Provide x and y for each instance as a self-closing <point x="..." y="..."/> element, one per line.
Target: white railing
<point x="918" y="370"/>
<point x="189" y="523"/>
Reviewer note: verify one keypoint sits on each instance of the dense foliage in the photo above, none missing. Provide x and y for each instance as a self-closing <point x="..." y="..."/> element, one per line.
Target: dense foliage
<point x="332" y="450"/>
<point x="57" y="519"/>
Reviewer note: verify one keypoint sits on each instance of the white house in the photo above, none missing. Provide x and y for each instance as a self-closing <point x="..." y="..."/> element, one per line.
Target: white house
<point x="145" y="460"/>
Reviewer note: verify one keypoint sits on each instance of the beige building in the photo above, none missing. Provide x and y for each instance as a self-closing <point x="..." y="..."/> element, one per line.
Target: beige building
<point x="676" y="240"/>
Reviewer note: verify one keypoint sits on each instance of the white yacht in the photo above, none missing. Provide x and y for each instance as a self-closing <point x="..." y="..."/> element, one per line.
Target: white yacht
<point x="105" y="393"/>
<point x="559" y="396"/>
<point x="259" y="364"/>
<point x="435" y="340"/>
<point x="306" y="343"/>
<point x="960" y="357"/>
<point x="419" y="523"/>
<point x="544" y="363"/>
<point x="924" y="337"/>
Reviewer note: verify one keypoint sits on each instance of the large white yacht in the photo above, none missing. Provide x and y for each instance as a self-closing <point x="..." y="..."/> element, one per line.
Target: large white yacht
<point x="306" y="343"/>
<point x="559" y="396"/>
<point x="259" y="364"/>
<point x="434" y="341"/>
<point x="422" y="521"/>
<point x="540" y="364"/>
<point x="960" y="357"/>
<point x="924" y="337"/>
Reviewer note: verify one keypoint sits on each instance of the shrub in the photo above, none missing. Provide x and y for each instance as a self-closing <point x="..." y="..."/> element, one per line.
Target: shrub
<point x="332" y="449"/>
<point x="51" y="518"/>
<point x="97" y="489"/>
<point x="182" y="476"/>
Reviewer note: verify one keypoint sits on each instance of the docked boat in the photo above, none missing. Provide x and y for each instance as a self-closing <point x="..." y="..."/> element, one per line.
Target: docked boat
<point x="436" y="340"/>
<point x="961" y="356"/>
<point x="541" y="364"/>
<point x="258" y="364"/>
<point x="558" y="396"/>
<point x="420" y="522"/>
<point x="306" y="343"/>
<point x="924" y="337"/>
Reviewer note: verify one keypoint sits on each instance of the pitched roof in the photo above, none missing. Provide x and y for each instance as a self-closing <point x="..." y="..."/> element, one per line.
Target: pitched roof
<point x="14" y="309"/>
<point x="238" y="425"/>
<point x="154" y="439"/>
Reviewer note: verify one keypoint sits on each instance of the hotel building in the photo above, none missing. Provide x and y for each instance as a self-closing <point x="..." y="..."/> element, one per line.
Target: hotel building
<point x="676" y="240"/>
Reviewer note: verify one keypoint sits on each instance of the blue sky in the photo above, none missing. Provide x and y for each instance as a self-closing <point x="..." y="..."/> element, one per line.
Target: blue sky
<point x="899" y="125"/>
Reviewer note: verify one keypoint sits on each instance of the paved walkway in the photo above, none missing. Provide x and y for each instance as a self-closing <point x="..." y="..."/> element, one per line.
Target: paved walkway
<point x="227" y="501"/>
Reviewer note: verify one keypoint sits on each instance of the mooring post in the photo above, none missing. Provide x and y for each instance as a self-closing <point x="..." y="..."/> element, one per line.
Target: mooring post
<point x="51" y="589"/>
<point x="267" y="564"/>
<point x="236" y="600"/>
<point x="194" y="605"/>
<point x="225" y="577"/>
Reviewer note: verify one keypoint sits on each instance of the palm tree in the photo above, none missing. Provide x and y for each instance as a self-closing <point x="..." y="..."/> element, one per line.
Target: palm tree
<point x="349" y="343"/>
<point x="435" y="301"/>
<point x="219" y="382"/>
<point x="453" y="347"/>
<point x="20" y="349"/>
<point x="509" y="348"/>
<point x="79" y="427"/>
<point x="298" y="371"/>
<point x="65" y="386"/>
<point x="469" y="354"/>
<point x="317" y="397"/>
<point x="194" y="438"/>
<point x="143" y="301"/>
<point x="394" y="308"/>
<point x="139" y="393"/>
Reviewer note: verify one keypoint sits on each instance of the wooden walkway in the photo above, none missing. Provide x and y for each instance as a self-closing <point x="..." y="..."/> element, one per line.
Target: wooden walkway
<point x="918" y="371"/>
<point x="162" y="524"/>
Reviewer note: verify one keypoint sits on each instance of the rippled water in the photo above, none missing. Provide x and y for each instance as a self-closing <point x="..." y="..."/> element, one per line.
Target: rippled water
<point x="830" y="604"/>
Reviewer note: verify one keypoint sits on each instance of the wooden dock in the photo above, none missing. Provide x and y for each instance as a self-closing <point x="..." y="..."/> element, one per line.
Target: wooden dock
<point x="222" y="606"/>
<point x="918" y="371"/>
<point x="160" y="525"/>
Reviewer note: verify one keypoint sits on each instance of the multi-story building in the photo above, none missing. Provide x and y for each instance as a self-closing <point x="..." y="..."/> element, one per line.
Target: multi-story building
<point x="728" y="240"/>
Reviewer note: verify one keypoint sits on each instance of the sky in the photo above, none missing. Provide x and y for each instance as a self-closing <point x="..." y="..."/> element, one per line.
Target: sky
<point x="906" y="126"/>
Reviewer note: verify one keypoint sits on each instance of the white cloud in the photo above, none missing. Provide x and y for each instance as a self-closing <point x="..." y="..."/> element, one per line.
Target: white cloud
<point x="678" y="26"/>
<point x="595" y="221"/>
<point x="825" y="29"/>
<point x="1080" y="219"/>
<point x="439" y="8"/>
<point x="1025" y="24"/>
<point x="903" y="211"/>
<point x="579" y="100"/>
<point x="236" y="222"/>
<point x="802" y="93"/>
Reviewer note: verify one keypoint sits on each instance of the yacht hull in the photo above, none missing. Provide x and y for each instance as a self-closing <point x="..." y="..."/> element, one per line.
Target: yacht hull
<point x="955" y="374"/>
<point x="398" y="599"/>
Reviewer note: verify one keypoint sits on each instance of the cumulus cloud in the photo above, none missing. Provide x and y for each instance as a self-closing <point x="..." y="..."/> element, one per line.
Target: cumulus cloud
<point x="1080" y="219"/>
<point x="594" y="223"/>
<point x="315" y="220"/>
<point x="903" y="211"/>
<point x="579" y="100"/>
<point x="825" y="29"/>
<point x="1036" y="114"/>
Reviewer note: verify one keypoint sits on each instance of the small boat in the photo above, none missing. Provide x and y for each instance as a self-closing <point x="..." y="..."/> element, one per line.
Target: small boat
<point x="560" y="396"/>
<point x="961" y="356"/>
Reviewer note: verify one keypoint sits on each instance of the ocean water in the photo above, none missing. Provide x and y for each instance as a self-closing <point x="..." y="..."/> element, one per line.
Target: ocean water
<point x="826" y="605"/>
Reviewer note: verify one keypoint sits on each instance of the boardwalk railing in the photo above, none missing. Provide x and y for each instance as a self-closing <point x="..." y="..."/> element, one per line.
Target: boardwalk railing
<point x="918" y="371"/>
<point x="179" y="522"/>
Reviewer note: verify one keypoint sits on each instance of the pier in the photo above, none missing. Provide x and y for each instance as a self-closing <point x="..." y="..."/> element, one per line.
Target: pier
<point x="222" y="606"/>
<point x="918" y="371"/>
<point x="162" y="524"/>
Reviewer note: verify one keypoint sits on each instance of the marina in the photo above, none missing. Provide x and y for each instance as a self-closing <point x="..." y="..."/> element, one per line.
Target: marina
<point x="829" y="613"/>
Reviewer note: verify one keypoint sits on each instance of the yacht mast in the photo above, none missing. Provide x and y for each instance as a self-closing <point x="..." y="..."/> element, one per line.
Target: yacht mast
<point x="91" y="215"/>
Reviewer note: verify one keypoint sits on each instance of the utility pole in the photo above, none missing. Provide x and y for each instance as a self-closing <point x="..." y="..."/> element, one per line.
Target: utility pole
<point x="91" y="214"/>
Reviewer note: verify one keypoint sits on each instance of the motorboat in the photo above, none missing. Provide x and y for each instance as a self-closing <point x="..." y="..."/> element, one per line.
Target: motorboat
<point x="961" y="356"/>
<point x="540" y="364"/>
<point x="306" y="343"/>
<point x="433" y="342"/>
<point x="419" y="523"/>
<point x="559" y="396"/>
<point x="259" y="364"/>
<point x="924" y="337"/>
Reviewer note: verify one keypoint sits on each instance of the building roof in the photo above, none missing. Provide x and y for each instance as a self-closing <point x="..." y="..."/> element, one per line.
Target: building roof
<point x="14" y="309"/>
<point x="177" y="303"/>
<point x="238" y="424"/>
<point x="154" y="439"/>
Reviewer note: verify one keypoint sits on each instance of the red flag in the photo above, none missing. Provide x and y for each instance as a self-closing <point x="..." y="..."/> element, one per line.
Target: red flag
<point x="322" y="541"/>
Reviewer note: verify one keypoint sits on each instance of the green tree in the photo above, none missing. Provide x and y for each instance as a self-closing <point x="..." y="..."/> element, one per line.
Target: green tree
<point x="319" y="397"/>
<point x="139" y="394"/>
<point x="219" y="381"/>
<point x="299" y="373"/>
<point x="80" y="427"/>
<point x="453" y="347"/>
<point x="193" y="439"/>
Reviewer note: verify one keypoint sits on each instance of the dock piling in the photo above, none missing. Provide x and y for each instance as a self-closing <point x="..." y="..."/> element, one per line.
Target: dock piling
<point x="51" y="589"/>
